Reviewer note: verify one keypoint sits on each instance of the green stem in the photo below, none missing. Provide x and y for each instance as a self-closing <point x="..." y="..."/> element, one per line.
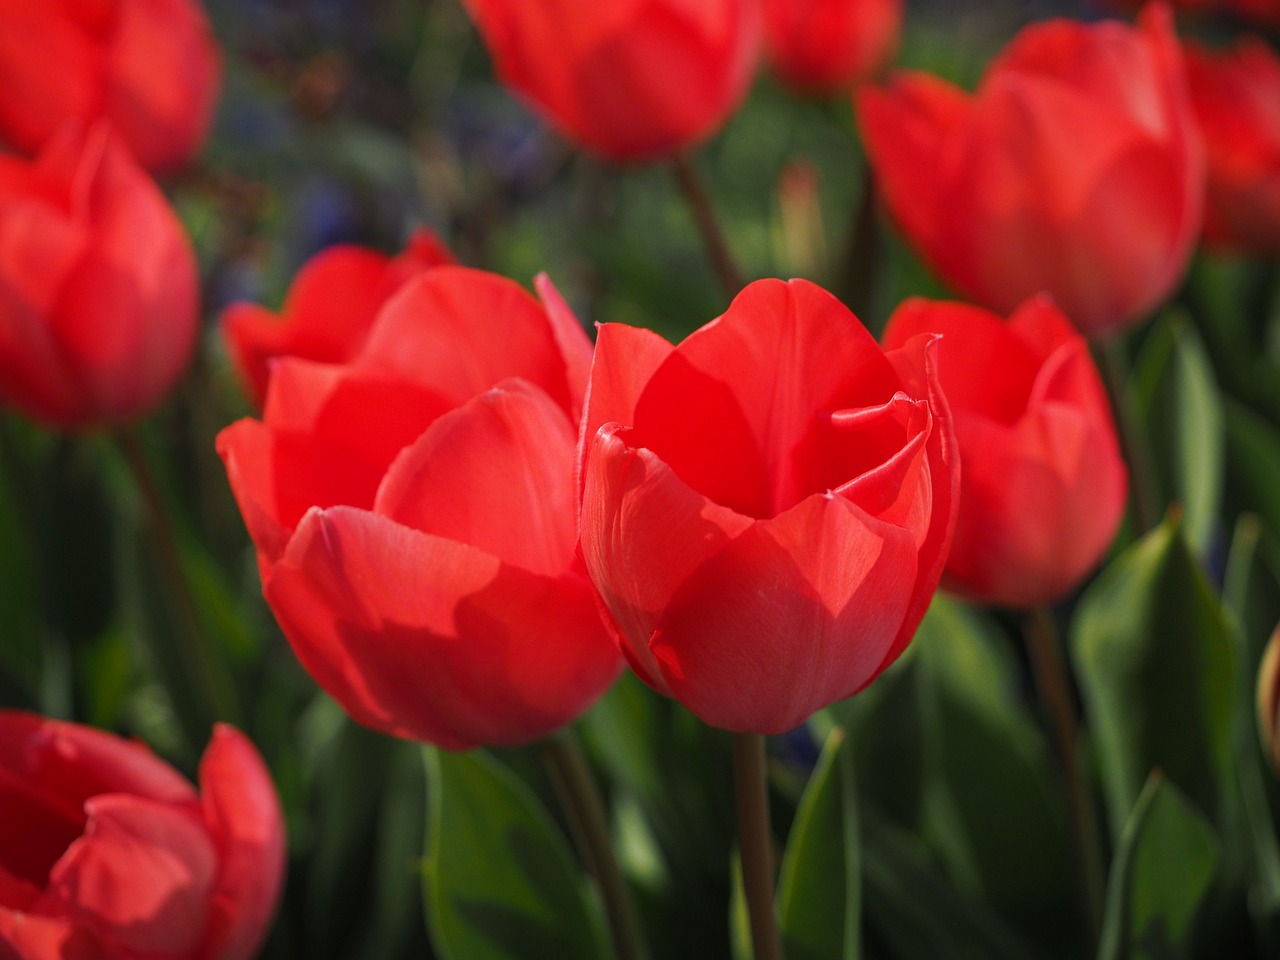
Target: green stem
<point x="861" y="261"/>
<point x="212" y="701"/>
<point x="1055" y="694"/>
<point x="755" y="841"/>
<point x="1142" y="496"/>
<point x="585" y="810"/>
<point x="699" y="201"/>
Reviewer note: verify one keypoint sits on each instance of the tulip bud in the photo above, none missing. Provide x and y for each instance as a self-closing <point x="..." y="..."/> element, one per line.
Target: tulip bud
<point x="1269" y="700"/>
<point x="151" y="67"/>
<point x="1075" y="169"/>
<point x="824" y="47"/>
<point x="98" y="284"/>
<point x="627" y="79"/>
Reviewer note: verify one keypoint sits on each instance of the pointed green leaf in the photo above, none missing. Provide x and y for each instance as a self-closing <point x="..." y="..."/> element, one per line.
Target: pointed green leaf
<point x="1181" y="412"/>
<point x="1253" y="465"/>
<point x="818" y="887"/>
<point x="499" y="880"/>
<point x="1167" y="859"/>
<point x="1156" y="670"/>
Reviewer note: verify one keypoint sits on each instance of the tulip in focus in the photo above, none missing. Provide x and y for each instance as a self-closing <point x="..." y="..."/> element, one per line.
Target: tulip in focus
<point x="1042" y="482"/>
<point x="627" y="79"/>
<point x="107" y="852"/>
<point x="151" y="67"/>
<point x="98" y="284"/>
<point x="414" y="513"/>
<point x="1236" y="95"/>
<point x="826" y="46"/>
<point x="1075" y="169"/>
<point x="767" y="506"/>
<point x="328" y="311"/>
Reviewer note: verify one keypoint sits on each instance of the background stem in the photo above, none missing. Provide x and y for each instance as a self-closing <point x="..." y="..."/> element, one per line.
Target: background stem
<point x="695" y="195"/>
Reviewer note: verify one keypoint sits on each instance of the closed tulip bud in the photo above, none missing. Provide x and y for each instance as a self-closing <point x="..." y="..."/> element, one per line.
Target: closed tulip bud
<point x="414" y="513"/>
<point x="1075" y="169"/>
<point x="328" y="311"/>
<point x="824" y="47"/>
<point x="1269" y="700"/>
<point x="627" y="79"/>
<point x="98" y="284"/>
<point x="1042" y="482"/>
<point x="107" y="851"/>
<point x="150" y="67"/>
<point x="767" y="506"/>
<point x="1236" y="95"/>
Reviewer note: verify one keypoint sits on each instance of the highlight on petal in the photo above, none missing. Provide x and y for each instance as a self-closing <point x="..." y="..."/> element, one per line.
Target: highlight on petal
<point x="500" y="655"/>
<point x="495" y="473"/>
<point x="797" y="612"/>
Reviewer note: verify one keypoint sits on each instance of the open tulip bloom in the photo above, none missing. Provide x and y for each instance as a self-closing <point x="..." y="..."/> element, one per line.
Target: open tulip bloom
<point x="415" y="516"/>
<point x="767" y="506"/>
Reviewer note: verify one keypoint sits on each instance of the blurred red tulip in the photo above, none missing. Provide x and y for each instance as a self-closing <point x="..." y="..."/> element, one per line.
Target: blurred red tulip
<point x="627" y="79"/>
<point x="151" y="67"/>
<point x="1236" y="95"/>
<point x="98" y="284"/>
<point x="1042" y="482"/>
<point x="1261" y="11"/>
<point x="826" y="46"/>
<point x="415" y="515"/>
<point x="328" y="310"/>
<point x="1075" y="169"/>
<point x="108" y="852"/>
<point x="767" y="507"/>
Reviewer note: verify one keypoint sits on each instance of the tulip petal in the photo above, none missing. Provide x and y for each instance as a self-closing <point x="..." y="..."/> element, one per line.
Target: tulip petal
<point x="464" y="330"/>
<point x="429" y="639"/>
<point x="495" y="473"/>
<point x="625" y="358"/>
<point x="244" y="816"/>
<point x="575" y="347"/>
<point x="643" y="532"/>
<point x="141" y="874"/>
<point x="799" y="611"/>
<point x="31" y="935"/>
<point x="731" y="405"/>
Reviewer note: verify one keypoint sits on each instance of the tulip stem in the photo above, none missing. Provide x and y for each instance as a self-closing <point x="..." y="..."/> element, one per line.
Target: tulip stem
<point x="205" y="680"/>
<point x="1055" y="694"/>
<point x="859" y="266"/>
<point x="698" y="199"/>
<point x="584" y="808"/>
<point x="755" y="841"/>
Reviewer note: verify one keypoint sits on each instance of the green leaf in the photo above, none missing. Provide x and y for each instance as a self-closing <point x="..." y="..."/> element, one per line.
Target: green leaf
<point x="818" y="887"/>
<point x="1012" y="843"/>
<point x="916" y="912"/>
<point x="499" y="880"/>
<point x="1181" y="412"/>
<point x="1253" y="465"/>
<point x="1156" y="669"/>
<point x="1166" y="862"/>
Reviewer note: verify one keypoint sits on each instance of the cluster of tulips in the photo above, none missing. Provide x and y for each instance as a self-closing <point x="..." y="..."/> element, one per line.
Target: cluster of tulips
<point x="470" y="515"/>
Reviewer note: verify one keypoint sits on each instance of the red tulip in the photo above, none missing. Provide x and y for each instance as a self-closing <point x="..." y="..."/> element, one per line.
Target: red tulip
<point x="151" y="67"/>
<point x="766" y="507"/>
<point x="98" y="294"/>
<point x="826" y="46"/>
<point x="628" y="79"/>
<point x="328" y="310"/>
<point x="415" y="515"/>
<point x="1075" y="169"/>
<point x="1260" y="11"/>
<point x="1042" y="482"/>
<point x="1237" y="100"/>
<point x="108" y="852"/>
